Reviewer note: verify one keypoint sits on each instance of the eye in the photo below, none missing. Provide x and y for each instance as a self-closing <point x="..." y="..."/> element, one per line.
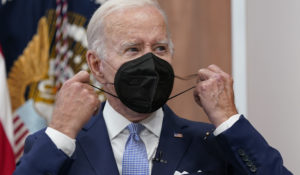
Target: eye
<point x="132" y="49"/>
<point x="161" y="49"/>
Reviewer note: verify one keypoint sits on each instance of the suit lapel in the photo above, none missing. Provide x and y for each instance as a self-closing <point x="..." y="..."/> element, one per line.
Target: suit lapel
<point x="96" y="145"/>
<point x="170" y="148"/>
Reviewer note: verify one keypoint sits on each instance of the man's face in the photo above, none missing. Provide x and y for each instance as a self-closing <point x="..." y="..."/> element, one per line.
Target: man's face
<point x="132" y="33"/>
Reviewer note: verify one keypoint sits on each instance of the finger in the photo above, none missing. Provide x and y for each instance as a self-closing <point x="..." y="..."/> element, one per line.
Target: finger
<point x="97" y="109"/>
<point x="82" y="76"/>
<point x="88" y="87"/>
<point x="205" y="74"/>
<point x="219" y="71"/>
<point x="197" y="98"/>
<point x="78" y="88"/>
<point x="96" y="104"/>
<point x="215" y="68"/>
<point x="91" y="98"/>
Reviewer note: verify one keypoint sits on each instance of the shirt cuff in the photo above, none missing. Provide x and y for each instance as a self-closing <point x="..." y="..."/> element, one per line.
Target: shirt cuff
<point x="62" y="141"/>
<point x="227" y="124"/>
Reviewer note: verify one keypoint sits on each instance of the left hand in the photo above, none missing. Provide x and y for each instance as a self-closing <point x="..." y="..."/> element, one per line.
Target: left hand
<point x="214" y="93"/>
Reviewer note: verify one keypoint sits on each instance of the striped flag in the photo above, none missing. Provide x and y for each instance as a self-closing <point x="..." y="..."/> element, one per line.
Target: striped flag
<point x="20" y="134"/>
<point x="7" y="158"/>
<point x="44" y="43"/>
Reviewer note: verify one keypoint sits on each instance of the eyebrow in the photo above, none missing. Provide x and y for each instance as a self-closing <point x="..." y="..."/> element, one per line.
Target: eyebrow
<point x="162" y="42"/>
<point x="126" y="44"/>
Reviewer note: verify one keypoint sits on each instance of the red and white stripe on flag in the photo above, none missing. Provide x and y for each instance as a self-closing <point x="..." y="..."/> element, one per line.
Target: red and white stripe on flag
<point x="20" y="134"/>
<point x="7" y="158"/>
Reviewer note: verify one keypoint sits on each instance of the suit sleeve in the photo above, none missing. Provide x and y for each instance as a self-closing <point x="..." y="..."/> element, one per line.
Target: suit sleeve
<point x="249" y="152"/>
<point x="41" y="156"/>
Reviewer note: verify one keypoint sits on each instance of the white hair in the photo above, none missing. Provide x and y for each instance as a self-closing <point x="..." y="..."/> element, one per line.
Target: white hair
<point x="95" y="30"/>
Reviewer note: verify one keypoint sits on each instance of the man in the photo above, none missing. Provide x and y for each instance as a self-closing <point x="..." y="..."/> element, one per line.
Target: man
<point x="130" y="52"/>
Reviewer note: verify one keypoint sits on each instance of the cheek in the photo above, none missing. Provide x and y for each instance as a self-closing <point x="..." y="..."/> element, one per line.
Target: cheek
<point x="168" y="59"/>
<point x="109" y="71"/>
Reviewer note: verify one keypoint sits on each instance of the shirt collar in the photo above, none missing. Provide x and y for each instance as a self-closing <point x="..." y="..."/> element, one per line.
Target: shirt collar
<point x="153" y="123"/>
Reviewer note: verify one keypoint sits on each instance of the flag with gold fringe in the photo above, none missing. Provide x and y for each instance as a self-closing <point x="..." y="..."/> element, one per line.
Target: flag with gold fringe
<point x="44" y="43"/>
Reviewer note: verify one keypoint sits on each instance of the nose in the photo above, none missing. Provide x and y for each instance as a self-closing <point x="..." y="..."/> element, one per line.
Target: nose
<point x="147" y="48"/>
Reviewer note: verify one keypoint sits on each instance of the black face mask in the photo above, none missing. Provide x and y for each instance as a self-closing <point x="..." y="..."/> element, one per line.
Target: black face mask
<point x="144" y="84"/>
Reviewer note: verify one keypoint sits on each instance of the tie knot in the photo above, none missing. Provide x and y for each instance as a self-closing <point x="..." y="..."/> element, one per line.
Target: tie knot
<point x="135" y="128"/>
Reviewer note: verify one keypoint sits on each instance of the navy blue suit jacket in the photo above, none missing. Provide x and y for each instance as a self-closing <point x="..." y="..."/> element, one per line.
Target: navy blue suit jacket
<point x="239" y="150"/>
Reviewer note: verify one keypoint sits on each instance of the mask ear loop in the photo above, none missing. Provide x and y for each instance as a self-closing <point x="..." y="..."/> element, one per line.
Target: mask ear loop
<point x="188" y="77"/>
<point x="105" y="83"/>
<point x="104" y="90"/>
<point x="181" y="92"/>
<point x="176" y="76"/>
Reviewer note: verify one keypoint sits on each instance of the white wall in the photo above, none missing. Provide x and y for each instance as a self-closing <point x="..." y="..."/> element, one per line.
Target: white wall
<point x="239" y="61"/>
<point x="273" y="74"/>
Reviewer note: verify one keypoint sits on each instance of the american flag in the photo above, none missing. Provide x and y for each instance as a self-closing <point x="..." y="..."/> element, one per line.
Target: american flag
<point x="7" y="160"/>
<point x="178" y="135"/>
<point x="20" y="134"/>
<point x="53" y="33"/>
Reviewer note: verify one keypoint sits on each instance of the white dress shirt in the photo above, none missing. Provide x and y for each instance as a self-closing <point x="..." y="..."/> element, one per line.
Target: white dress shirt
<point x="118" y="134"/>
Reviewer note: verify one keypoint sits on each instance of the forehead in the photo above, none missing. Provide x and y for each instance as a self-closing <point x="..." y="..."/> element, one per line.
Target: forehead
<point x="135" y="21"/>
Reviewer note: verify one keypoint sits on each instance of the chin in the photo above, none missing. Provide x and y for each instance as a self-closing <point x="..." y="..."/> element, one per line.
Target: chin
<point x="126" y="112"/>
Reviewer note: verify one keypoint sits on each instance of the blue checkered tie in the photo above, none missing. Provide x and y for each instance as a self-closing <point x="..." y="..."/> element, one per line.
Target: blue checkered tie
<point x="135" y="161"/>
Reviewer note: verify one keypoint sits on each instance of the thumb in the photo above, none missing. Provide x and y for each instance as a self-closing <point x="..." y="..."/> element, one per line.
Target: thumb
<point x="82" y="76"/>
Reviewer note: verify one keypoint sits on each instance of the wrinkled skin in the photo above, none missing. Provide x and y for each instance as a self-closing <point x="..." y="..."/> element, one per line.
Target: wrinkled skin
<point x="140" y="30"/>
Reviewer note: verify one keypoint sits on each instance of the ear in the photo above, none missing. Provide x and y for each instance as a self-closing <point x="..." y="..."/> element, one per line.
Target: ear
<point x="94" y="63"/>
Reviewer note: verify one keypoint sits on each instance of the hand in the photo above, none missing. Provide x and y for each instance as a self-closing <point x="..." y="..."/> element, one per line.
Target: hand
<point x="214" y="92"/>
<point x="75" y="104"/>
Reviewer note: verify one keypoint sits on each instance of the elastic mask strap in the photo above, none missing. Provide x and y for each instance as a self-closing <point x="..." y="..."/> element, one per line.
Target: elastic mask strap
<point x="181" y="78"/>
<point x="104" y="90"/>
<point x="181" y="92"/>
<point x="188" y="77"/>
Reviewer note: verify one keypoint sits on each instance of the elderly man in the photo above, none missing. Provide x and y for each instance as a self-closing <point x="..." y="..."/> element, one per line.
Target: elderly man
<point x="134" y="132"/>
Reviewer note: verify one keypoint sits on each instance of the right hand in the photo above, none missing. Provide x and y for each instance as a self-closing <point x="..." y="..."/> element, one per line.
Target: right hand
<point x="75" y="104"/>
<point x="214" y="92"/>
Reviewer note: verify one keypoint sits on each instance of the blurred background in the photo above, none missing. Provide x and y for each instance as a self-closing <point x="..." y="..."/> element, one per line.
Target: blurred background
<point x="258" y="42"/>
